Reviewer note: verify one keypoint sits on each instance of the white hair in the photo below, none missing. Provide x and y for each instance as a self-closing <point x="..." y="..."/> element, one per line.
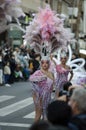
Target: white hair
<point x="79" y="95"/>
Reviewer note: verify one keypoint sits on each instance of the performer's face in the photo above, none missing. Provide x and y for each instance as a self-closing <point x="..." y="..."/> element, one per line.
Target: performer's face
<point x="45" y="65"/>
<point x="63" y="60"/>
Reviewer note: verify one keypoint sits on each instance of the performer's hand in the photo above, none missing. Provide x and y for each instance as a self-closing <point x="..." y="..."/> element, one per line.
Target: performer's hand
<point x="62" y="98"/>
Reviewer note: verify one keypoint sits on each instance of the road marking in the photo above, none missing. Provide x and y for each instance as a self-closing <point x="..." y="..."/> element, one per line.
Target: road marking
<point x="31" y="115"/>
<point x="16" y="106"/>
<point x="5" y="98"/>
<point x="15" y="124"/>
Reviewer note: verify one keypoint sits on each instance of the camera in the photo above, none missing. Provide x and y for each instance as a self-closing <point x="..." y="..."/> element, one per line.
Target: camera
<point x="63" y="92"/>
<point x="66" y="93"/>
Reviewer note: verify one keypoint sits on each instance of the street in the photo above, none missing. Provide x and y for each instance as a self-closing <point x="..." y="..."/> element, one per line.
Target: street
<point x="16" y="106"/>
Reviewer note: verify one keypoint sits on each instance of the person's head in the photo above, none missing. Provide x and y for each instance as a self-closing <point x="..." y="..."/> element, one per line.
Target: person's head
<point x="63" y="60"/>
<point x="58" y="113"/>
<point x="17" y="49"/>
<point x="67" y="85"/>
<point x="78" y="101"/>
<point x="40" y="125"/>
<point x="45" y="63"/>
<point x="74" y="56"/>
<point x="63" y="57"/>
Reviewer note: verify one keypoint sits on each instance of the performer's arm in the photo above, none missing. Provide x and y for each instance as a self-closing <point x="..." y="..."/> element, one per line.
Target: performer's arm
<point x="71" y="76"/>
<point x="36" y="77"/>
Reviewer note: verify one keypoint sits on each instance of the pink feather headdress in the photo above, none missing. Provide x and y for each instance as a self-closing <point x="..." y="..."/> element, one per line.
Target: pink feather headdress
<point x="47" y="29"/>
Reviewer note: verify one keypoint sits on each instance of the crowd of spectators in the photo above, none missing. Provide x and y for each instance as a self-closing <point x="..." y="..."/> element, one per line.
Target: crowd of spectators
<point x="16" y="64"/>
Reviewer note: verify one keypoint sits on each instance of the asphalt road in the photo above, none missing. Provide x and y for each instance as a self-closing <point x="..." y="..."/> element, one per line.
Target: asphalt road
<point x="16" y="106"/>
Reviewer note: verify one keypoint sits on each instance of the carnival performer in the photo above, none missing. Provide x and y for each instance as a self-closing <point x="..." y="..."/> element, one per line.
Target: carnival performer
<point x="42" y="81"/>
<point x="62" y="75"/>
<point x="46" y="31"/>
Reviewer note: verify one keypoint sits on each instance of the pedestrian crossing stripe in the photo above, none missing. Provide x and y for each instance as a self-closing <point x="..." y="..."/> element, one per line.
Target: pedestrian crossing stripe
<point x="15" y="106"/>
<point x="5" y="98"/>
<point x="15" y="124"/>
<point x="31" y="115"/>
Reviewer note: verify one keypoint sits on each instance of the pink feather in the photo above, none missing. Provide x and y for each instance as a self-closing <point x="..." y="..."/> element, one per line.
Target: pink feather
<point x="51" y="29"/>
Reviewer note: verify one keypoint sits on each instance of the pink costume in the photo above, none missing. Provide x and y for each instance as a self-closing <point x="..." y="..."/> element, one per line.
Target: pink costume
<point x="52" y="67"/>
<point x="42" y="86"/>
<point x="62" y="77"/>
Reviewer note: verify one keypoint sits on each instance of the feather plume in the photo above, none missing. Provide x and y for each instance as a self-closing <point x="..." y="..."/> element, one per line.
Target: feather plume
<point x="47" y="28"/>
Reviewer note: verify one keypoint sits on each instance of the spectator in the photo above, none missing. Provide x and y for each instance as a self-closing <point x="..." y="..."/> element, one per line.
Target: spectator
<point x="1" y="67"/>
<point x="66" y="86"/>
<point x="59" y="113"/>
<point x="12" y="67"/>
<point x="36" y="62"/>
<point x="43" y="125"/>
<point x="18" y="73"/>
<point x="78" y="105"/>
<point x="40" y="125"/>
<point x="32" y="53"/>
<point x="7" y="73"/>
<point x="65" y="90"/>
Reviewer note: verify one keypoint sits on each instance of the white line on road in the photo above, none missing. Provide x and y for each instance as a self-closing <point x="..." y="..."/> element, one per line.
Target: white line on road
<point x="31" y="115"/>
<point x="15" y="124"/>
<point x="16" y="106"/>
<point x="5" y="98"/>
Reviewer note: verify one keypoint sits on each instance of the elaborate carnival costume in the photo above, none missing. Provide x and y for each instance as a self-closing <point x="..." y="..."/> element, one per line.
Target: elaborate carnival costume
<point x="46" y="31"/>
<point x="62" y="74"/>
<point x="42" y="87"/>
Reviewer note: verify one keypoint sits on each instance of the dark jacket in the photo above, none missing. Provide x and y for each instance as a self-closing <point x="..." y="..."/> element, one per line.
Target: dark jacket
<point x="78" y="122"/>
<point x="59" y="127"/>
<point x="36" y="65"/>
